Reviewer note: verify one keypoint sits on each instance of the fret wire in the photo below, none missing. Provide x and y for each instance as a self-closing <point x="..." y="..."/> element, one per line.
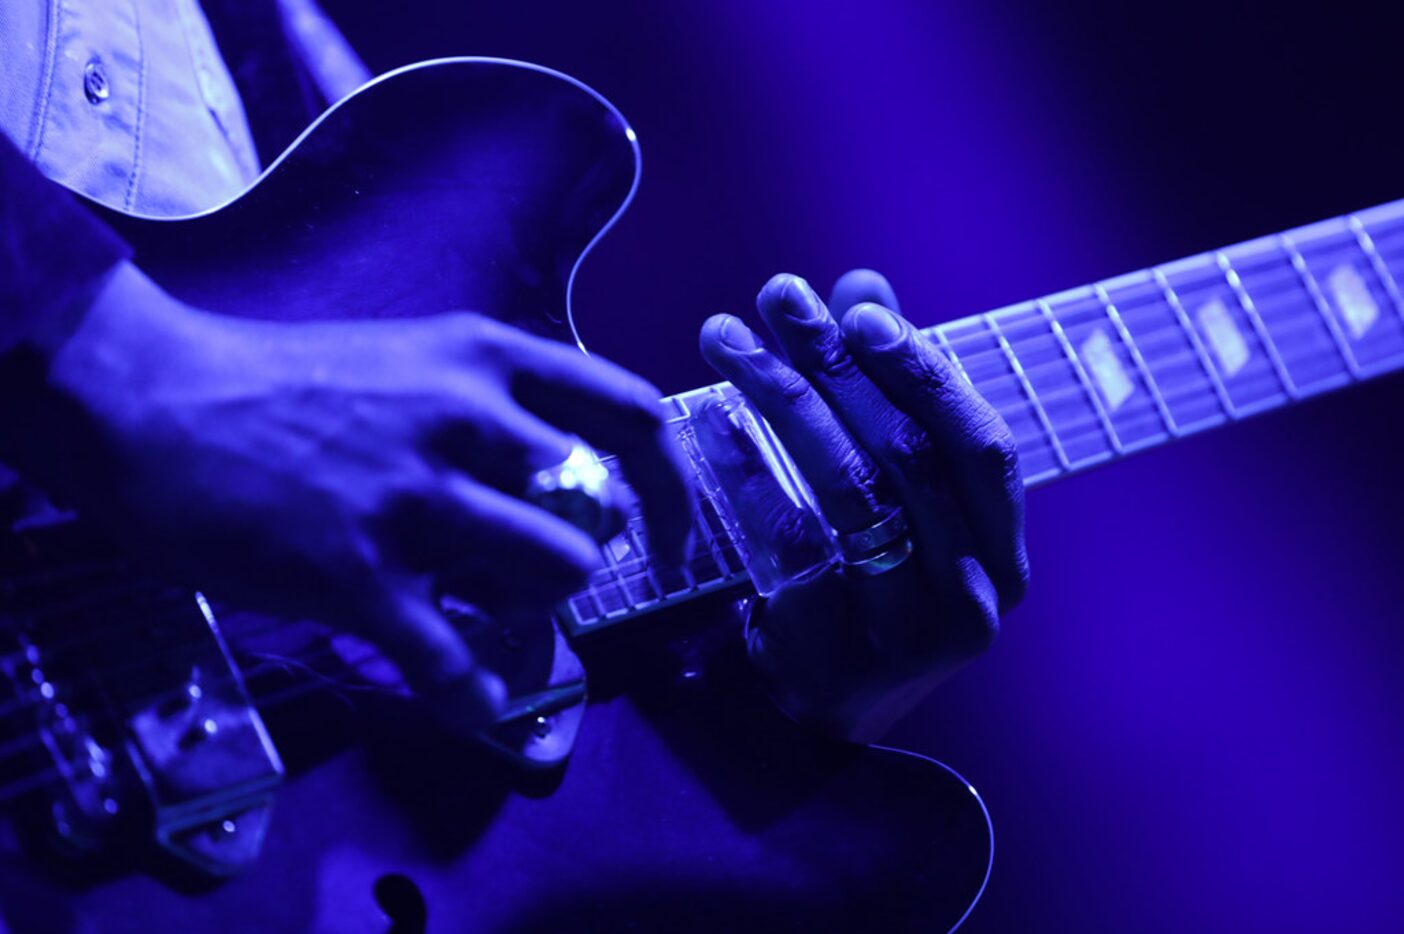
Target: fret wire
<point x="1018" y="369"/>
<point x="1196" y="353"/>
<point x="690" y="578"/>
<point x="1157" y="396"/>
<point x="1323" y="307"/>
<point x="954" y="346"/>
<point x="616" y="580"/>
<point x="1367" y="245"/>
<point x="1245" y="301"/>
<point x="964" y="351"/>
<point x="716" y="552"/>
<point x="949" y="348"/>
<point x="1180" y="356"/>
<point x="594" y="601"/>
<point x="1210" y="370"/>
<point x="649" y="572"/>
<point x="1062" y="338"/>
<point x="1172" y="395"/>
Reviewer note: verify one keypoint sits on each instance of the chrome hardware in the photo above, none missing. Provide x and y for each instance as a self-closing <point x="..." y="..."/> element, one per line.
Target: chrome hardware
<point x="86" y="804"/>
<point x="169" y="742"/>
<point x="579" y="491"/>
<point x="207" y="763"/>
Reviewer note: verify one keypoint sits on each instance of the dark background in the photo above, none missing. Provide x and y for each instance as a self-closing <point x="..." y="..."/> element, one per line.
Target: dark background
<point x="1194" y="721"/>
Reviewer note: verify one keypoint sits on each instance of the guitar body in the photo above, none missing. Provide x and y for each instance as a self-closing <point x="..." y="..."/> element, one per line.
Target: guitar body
<point x="688" y="803"/>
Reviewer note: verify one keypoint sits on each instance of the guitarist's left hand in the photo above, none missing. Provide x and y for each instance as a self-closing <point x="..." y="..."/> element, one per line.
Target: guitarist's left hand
<point x="876" y="417"/>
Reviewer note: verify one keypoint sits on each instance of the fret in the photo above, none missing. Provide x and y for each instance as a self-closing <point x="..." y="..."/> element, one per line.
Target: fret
<point x="1166" y="351"/>
<point x="993" y="376"/>
<point x="941" y="340"/>
<point x="1384" y="225"/>
<point x="1062" y="457"/>
<point x="1073" y="442"/>
<point x="1201" y="355"/>
<point x="1107" y="361"/>
<point x="1036" y="355"/>
<point x="1313" y="354"/>
<point x="1351" y="293"/>
<point x="1113" y="315"/>
<point x="1092" y="373"/>
<point x="630" y="583"/>
<point x="1322" y="306"/>
<point x="1246" y="303"/>
<point x="1236" y="353"/>
<point x="649" y="586"/>
<point x="1367" y="245"/>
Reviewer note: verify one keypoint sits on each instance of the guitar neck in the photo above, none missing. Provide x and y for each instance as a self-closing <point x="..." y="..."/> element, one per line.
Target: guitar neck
<point x="1095" y="373"/>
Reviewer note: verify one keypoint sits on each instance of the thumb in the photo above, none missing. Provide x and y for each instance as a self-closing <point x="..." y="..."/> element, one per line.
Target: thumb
<point x="439" y="666"/>
<point x="861" y="285"/>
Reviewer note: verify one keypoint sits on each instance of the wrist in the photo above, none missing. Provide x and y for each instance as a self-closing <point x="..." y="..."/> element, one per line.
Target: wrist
<point x="81" y="373"/>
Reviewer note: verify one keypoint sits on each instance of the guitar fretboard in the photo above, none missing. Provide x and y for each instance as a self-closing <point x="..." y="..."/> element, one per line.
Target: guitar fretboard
<point x="1102" y="371"/>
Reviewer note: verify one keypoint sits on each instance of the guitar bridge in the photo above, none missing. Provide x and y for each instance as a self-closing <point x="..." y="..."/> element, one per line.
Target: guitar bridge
<point x="141" y="711"/>
<point x="206" y="761"/>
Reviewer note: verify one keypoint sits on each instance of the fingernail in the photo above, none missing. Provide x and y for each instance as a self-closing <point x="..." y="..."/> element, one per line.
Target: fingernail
<point x="798" y="299"/>
<point x="737" y="336"/>
<point x="872" y="324"/>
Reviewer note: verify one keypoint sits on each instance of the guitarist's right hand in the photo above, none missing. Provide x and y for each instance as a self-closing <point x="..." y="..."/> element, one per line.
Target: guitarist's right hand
<point x="339" y="471"/>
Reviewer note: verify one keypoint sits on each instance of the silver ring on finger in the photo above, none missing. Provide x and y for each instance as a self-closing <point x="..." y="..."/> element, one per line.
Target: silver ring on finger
<point x="578" y="490"/>
<point x="886" y="560"/>
<point x="855" y="546"/>
<point x="879" y="548"/>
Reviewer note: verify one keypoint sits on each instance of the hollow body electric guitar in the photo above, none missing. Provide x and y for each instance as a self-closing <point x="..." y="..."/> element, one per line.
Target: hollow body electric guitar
<point x="166" y="764"/>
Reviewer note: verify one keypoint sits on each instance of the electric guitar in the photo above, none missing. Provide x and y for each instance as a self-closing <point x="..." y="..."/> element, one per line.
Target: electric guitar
<point x="166" y="764"/>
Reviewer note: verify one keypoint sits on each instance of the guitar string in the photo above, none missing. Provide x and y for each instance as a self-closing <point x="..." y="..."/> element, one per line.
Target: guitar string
<point x="52" y="775"/>
<point x="22" y="704"/>
<point x="1065" y="431"/>
<point x="955" y="343"/>
<point x="111" y="632"/>
<point x="981" y="339"/>
<point x="267" y="664"/>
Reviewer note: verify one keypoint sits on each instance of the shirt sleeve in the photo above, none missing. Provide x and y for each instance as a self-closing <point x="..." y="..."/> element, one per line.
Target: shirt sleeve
<point x="52" y="251"/>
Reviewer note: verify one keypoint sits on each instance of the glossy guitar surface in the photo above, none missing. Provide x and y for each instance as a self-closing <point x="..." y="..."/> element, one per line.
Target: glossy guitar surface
<point x="689" y="803"/>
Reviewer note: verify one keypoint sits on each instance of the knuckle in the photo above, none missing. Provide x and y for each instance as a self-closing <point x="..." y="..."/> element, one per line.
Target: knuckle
<point x="790" y="526"/>
<point x="996" y="451"/>
<point x="909" y="446"/>
<point x="1017" y="587"/>
<point x="790" y="386"/>
<point x="858" y="471"/>
<point x="831" y="355"/>
<point x="930" y="371"/>
<point x="470" y="329"/>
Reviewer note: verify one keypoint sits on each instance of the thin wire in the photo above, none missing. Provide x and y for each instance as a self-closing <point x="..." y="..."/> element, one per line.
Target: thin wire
<point x="988" y="347"/>
<point x="1069" y="430"/>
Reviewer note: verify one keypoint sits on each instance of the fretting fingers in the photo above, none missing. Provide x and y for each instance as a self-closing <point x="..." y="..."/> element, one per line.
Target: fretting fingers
<point x="839" y="472"/>
<point x="975" y="444"/>
<point x="861" y="285"/>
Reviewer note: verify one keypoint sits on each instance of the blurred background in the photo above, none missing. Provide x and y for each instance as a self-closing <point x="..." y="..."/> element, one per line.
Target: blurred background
<point x="1194" y="721"/>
